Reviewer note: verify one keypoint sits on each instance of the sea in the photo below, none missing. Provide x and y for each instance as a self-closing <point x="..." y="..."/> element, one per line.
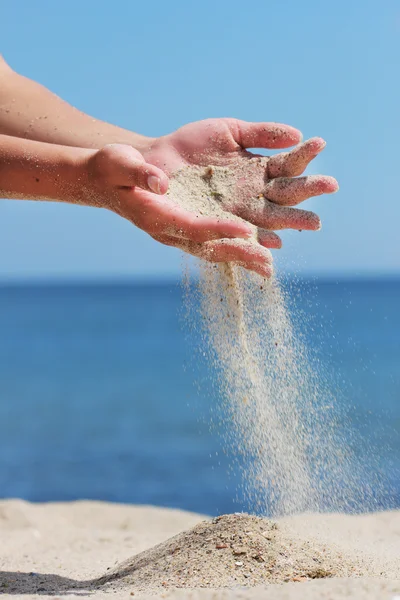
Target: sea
<point x="104" y="394"/>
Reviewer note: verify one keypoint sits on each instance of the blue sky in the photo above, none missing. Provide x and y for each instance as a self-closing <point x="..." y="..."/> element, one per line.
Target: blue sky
<point x="328" y="68"/>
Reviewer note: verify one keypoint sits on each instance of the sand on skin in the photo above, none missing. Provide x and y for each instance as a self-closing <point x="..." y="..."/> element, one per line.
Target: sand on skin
<point x="63" y="544"/>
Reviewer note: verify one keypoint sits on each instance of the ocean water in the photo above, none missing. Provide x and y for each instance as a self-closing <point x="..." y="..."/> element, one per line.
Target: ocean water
<point x="103" y="396"/>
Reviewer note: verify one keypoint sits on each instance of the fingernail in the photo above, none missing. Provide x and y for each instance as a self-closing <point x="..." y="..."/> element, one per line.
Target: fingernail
<point x="249" y="233"/>
<point x="243" y="235"/>
<point x="267" y="272"/>
<point x="154" y="184"/>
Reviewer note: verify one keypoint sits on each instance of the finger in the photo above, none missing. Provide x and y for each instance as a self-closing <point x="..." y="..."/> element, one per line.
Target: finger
<point x="293" y="163"/>
<point x="263" y="135"/>
<point x="143" y="175"/>
<point x="130" y="170"/>
<point x="223" y="251"/>
<point x="203" y="229"/>
<point x="161" y="215"/>
<point x="267" y="215"/>
<point x="268" y="239"/>
<point x="238" y="251"/>
<point x="266" y="271"/>
<point x="291" y="191"/>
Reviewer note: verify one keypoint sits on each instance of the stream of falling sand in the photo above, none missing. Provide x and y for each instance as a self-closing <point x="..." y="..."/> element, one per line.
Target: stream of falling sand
<point x="280" y="419"/>
<point x="263" y="405"/>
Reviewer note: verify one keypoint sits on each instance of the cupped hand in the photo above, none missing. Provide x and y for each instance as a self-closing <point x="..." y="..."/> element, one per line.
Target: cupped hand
<point x="120" y="179"/>
<point x="266" y="189"/>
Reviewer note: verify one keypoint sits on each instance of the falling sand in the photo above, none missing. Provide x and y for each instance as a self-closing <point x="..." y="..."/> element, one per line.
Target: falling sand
<point x="281" y="422"/>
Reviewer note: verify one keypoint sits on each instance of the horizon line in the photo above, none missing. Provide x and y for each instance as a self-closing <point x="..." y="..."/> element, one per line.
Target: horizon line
<point x="80" y="280"/>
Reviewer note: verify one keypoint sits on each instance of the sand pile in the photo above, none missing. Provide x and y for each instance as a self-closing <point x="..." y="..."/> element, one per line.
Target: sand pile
<point x="59" y="550"/>
<point x="230" y="551"/>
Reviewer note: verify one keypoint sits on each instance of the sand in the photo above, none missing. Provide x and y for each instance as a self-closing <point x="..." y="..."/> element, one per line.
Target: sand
<point x="88" y="549"/>
<point x="221" y="192"/>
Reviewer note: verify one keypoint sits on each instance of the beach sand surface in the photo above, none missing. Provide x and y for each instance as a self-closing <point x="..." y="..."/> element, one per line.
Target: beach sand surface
<point x="60" y="549"/>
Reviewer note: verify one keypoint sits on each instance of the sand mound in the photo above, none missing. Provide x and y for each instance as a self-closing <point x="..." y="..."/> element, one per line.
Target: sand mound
<point x="231" y="550"/>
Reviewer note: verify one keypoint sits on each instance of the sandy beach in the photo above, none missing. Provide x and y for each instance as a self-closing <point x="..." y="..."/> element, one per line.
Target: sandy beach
<point x="65" y="549"/>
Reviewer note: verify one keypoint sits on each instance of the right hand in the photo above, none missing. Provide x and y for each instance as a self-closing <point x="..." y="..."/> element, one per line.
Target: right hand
<point x="264" y="190"/>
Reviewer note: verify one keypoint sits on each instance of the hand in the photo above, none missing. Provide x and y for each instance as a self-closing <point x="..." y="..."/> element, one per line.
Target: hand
<point x="266" y="189"/>
<point x="118" y="178"/>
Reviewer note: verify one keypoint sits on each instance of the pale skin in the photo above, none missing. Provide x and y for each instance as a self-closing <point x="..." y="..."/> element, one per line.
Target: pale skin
<point x="51" y="151"/>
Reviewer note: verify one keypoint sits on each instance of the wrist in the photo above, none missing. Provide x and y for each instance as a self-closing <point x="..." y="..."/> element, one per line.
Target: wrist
<point x="72" y="181"/>
<point x="117" y="135"/>
<point x="80" y="173"/>
<point x="141" y="143"/>
<point x="36" y="170"/>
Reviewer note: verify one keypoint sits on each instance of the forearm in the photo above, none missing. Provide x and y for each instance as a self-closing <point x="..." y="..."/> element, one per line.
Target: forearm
<point x="36" y="170"/>
<point x="29" y="110"/>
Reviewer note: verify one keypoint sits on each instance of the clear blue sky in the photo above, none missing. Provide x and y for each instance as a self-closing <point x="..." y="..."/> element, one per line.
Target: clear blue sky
<point x="328" y="68"/>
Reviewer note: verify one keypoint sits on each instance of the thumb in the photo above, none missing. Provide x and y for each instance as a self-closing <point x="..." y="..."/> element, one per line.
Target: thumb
<point x="126" y="167"/>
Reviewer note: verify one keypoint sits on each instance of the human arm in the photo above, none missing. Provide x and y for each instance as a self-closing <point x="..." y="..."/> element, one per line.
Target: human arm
<point x="29" y="110"/>
<point x="38" y="171"/>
